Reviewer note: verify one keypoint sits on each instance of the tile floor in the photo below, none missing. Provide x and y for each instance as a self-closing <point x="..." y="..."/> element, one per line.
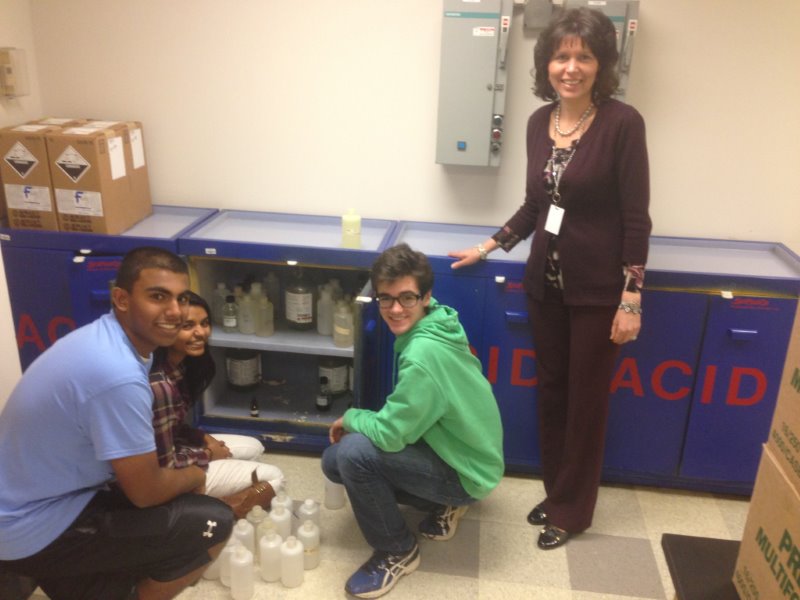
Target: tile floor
<point x="494" y="554"/>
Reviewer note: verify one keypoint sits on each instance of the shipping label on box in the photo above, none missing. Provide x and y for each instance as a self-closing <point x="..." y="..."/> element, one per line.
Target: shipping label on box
<point x="784" y="434"/>
<point x="768" y="565"/>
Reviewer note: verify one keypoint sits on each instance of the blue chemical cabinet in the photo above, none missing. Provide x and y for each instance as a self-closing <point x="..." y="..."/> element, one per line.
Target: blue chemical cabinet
<point x="241" y="247"/>
<point x="691" y="400"/>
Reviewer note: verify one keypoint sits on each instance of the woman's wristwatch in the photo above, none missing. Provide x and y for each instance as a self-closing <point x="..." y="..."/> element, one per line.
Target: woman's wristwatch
<point x="630" y="307"/>
<point x="482" y="253"/>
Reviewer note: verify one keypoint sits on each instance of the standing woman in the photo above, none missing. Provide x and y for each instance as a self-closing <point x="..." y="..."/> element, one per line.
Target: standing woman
<point x="180" y="374"/>
<point x="586" y="201"/>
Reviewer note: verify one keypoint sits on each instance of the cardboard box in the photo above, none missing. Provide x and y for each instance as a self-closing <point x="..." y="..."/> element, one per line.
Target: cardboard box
<point x="768" y="565"/>
<point x="133" y="140"/>
<point x="91" y="182"/>
<point x="62" y="122"/>
<point x="25" y="172"/>
<point x="784" y="433"/>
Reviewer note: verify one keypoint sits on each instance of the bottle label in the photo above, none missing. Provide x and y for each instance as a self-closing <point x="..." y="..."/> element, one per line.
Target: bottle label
<point x="229" y="322"/>
<point x="299" y="307"/>
<point x="337" y="378"/>
<point x="243" y="371"/>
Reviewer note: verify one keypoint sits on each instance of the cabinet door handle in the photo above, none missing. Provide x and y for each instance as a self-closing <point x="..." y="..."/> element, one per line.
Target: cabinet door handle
<point x="743" y="335"/>
<point x="516" y="316"/>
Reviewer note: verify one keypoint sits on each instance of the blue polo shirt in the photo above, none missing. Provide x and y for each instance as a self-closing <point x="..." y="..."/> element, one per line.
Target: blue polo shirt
<point x="84" y="401"/>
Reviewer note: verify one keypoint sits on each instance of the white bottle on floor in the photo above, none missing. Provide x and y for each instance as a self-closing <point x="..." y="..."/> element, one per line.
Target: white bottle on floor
<point x="292" y="562"/>
<point x="282" y="519"/>
<point x="242" y="584"/>
<point x="225" y="560"/>
<point x="308" y="533"/>
<point x="270" y="555"/>
<point x="244" y="532"/>
<point x="308" y="510"/>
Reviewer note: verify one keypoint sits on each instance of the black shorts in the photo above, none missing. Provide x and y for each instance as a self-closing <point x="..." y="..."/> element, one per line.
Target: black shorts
<point x="112" y="545"/>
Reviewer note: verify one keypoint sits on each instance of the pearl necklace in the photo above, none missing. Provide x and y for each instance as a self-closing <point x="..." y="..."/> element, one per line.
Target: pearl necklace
<point x="580" y="122"/>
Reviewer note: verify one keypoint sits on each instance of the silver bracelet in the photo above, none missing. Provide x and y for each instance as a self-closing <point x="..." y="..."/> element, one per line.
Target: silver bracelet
<point x="630" y="307"/>
<point x="482" y="253"/>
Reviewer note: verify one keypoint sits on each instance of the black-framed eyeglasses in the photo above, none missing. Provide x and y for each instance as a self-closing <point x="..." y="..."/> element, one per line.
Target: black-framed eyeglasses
<point x="406" y="300"/>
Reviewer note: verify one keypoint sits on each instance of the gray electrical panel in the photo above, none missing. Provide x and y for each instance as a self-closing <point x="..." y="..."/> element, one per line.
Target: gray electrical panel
<point x="472" y="81"/>
<point x="625" y="16"/>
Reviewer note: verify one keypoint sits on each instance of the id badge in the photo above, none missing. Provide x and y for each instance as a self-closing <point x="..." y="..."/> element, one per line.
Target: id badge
<point x="555" y="215"/>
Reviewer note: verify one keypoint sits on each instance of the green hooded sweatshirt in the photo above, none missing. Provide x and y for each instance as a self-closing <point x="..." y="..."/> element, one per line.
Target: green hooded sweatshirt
<point x="442" y="397"/>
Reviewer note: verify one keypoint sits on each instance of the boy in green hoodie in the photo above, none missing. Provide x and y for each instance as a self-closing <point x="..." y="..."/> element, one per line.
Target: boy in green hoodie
<point x="437" y="443"/>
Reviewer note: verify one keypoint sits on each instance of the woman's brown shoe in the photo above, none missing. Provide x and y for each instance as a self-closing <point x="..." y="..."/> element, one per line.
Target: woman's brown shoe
<point x="260" y="492"/>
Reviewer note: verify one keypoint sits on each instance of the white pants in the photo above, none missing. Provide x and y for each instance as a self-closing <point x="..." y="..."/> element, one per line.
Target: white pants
<point x="231" y="475"/>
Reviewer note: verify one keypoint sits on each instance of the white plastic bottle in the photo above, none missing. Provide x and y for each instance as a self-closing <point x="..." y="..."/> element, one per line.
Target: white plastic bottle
<point x="342" y="325"/>
<point x="255" y="517"/>
<point x="282" y="498"/>
<point x="334" y="494"/>
<point x="351" y="230"/>
<point x="242" y="576"/>
<point x="308" y="511"/>
<point x="308" y="533"/>
<point x="272" y="285"/>
<point x="212" y="571"/>
<point x="244" y="532"/>
<point x="247" y="315"/>
<point x="282" y="519"/>
<point x="256" y="291"/>
<point x="270" y="555"/>
<point x="265" y="317"/>
<point x="325" y="312"/>
<point x="336" y="289"/>
<point x="225" y="560"/>
<point x="292" y="562"/>
<point x="264" y="527"/>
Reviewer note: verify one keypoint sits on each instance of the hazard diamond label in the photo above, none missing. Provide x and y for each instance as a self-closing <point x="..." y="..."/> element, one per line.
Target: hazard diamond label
<point x="20" y="159"/>
<point x="72" y="164"/>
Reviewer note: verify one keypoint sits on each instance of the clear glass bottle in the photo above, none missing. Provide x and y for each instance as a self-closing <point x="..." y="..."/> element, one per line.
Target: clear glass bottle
<point x="334" y="370"/>
<point x="218" y="299"/>
<point x="299" y="302"/>
<point x="230" y="314"/>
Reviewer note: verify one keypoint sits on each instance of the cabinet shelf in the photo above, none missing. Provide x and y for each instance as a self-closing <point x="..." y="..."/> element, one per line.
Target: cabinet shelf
<point x="283" y="340"/>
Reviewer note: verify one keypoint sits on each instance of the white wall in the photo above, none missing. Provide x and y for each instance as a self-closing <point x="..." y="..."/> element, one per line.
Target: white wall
<point x="318" y="106"/>
<point x="16" y="32"/>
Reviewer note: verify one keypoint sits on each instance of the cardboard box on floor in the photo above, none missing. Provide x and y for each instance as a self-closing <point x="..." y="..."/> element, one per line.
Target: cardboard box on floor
<point x="784" y="434"/>
<point x="25" y="173"/>
<point x="768" y="565"/>
<point x="91" y="180"/>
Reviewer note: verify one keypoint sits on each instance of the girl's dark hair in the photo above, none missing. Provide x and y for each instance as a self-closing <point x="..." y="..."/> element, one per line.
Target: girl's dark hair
<point x="199" y="370"/>
<point x="401" y="261"/>
<point x="595" y="30"/>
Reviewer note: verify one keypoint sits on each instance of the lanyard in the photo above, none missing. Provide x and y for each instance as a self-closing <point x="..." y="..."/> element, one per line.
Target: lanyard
<point x="556" y="171"/>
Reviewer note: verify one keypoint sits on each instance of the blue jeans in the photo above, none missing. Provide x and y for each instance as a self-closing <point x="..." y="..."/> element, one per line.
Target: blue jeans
<point x="376" y="481"/>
